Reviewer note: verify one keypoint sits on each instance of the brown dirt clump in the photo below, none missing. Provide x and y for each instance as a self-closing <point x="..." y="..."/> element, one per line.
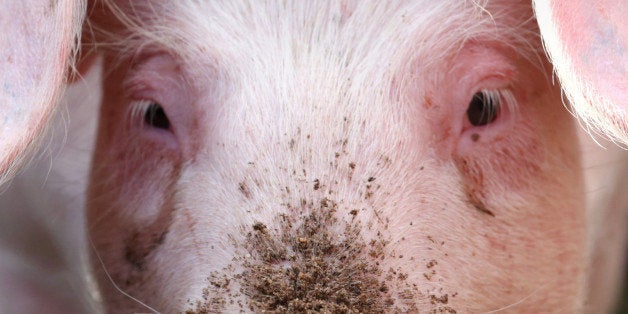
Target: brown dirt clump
<point x="316" y="271"/>
<point x="320" y="265"/>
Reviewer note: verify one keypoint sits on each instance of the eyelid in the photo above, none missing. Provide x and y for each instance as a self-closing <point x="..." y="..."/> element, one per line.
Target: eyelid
<point x="504" y="96"/>
<point x="138" y="108"/>
<point x="138" y="89"/>
<point x="155" y="71"/>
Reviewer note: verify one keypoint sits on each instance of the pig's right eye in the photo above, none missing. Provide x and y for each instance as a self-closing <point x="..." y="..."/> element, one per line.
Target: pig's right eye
<point x="150" y="114"/>
<point x="155" y="116"/>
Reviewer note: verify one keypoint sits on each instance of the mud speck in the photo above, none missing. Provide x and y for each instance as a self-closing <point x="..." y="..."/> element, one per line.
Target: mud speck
<point x="260" y="227"/>
<point x="431" y="264"/>
<point x="244" y="189"/>
<point x="444" y="299"/>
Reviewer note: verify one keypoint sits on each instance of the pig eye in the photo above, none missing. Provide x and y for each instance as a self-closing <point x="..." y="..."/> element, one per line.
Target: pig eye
<point x="484" y="107"/>
<point x="155" y="116"/>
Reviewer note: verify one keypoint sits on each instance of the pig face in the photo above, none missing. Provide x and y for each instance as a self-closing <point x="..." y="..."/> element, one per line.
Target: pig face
<point x="361" y="157"/>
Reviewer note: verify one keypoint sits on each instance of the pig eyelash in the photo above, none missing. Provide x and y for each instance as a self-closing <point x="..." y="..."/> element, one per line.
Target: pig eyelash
<point x="150" y="113"/>
<point x="486" y="105"/>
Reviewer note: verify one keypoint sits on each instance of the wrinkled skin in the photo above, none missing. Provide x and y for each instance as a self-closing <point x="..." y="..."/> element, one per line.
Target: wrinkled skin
<point x="323" y="157"/>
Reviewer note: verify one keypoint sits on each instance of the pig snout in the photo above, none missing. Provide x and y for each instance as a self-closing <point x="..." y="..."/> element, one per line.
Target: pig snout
<point x="337" y="158"/>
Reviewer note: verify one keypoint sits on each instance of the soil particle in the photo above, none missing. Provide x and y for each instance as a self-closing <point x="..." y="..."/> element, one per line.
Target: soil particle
<point x="444" y="299"/>
<point x="431" y="239"/>
<point x="429" y="275"/>
<point x="431" y="264"/>
<point x="443" y="310"/>
<point x="351" y="170"/>
<point x="258" y="226"/>
<point x="324" y="202"/>
<point x="384" y="161"/>
<point x="244" y="189"/>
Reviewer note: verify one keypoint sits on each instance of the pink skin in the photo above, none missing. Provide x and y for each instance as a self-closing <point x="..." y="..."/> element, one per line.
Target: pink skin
<point x="498" y="207"/>
<point x="274" y="111"/>
<point x="587" y="41"/>
<point x="604" y="40"/>
<point x="30" y="83"/>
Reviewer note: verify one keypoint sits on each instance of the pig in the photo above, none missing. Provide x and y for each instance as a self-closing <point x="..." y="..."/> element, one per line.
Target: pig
<point x="346" y="157"/>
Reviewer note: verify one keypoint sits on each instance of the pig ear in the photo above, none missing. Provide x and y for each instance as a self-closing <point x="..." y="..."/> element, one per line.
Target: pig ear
<point x="36" y="47"/>
<point x="587" y="41"/>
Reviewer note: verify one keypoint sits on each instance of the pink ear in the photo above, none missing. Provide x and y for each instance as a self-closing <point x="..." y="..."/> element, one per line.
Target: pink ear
<point x="36" y="39"/>
<point x="587" y="41"/>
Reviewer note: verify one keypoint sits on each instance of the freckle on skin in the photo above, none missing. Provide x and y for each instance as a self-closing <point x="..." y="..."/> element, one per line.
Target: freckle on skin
<point x="428" y="102"/>
<point x="475" y="137"/>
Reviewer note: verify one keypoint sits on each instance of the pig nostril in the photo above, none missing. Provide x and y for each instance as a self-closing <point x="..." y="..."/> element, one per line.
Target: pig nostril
<point x="155" y="116"/>
<point x="484" y="108"/>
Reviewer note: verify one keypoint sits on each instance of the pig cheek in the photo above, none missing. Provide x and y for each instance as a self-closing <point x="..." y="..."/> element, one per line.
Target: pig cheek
<point x="532" y="155"/>
<point x="525" y="180"/>
<point x="130" y="204"/>
<point x="510" y="162"/>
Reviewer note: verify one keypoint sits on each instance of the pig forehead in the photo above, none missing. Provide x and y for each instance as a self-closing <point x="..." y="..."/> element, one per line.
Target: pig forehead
<point x="366" y="35"/>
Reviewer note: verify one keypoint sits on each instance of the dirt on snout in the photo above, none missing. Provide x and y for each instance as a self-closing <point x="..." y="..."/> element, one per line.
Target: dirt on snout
<point x="318" y="271"/>
<point x="311" y="263"/>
